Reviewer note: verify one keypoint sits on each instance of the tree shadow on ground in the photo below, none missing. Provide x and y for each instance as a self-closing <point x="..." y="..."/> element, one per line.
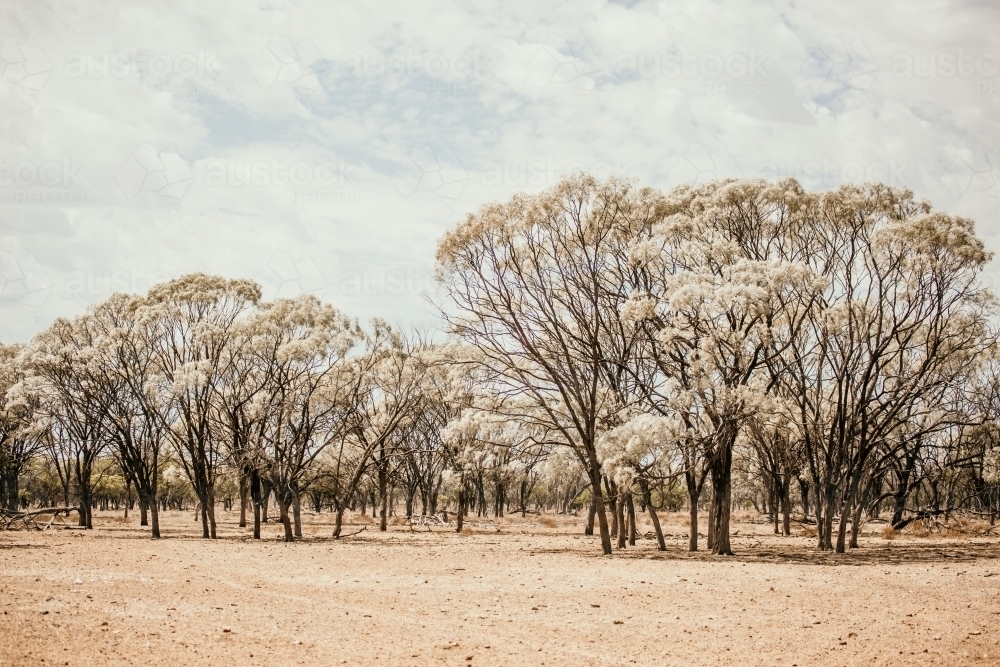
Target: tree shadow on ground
<point x="888" y="554"/>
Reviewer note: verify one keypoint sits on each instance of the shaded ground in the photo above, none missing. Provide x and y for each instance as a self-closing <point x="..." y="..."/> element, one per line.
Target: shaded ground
<point x="530" y="594"/>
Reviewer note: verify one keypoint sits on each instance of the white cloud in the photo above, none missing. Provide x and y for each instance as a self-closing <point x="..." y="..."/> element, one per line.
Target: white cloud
<point x="325" y="147"/>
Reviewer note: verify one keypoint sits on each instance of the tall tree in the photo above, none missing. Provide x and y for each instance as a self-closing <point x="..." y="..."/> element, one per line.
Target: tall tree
<point x="523" y="283"/>
<point x="192" y="324"/>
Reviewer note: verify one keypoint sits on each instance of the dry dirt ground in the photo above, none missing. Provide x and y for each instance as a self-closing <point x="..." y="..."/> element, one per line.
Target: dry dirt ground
<point x="530" y="594"/>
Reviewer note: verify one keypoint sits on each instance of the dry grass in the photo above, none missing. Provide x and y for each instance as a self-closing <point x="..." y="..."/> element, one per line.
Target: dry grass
<point x="548" y="522"/>
<point x="889" y="533"/>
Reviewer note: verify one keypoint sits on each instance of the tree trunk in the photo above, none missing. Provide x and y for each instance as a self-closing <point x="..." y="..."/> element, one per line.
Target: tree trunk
<point x="202" y="510"/>
<point x="602" y="517"/>
<point x="620" y="521"/>
<point x="721" y="469"/>
<point x="383" y="499"/>
<point x="613" y="498"/>
<point x="144" y="508"/>
<point x="710" y="535"/>
<point x="460" y="514"/>
<point x="842" y="530"/>
<point x="720" y="520"/>
<point x="804" y="492"/>
<point x="630" y="506"/>
<point x="297" y="513"/>
<point x="693" y="529"/>
<point x="855" y="525"/>
<point x="284" y="499"/>
<point x="10" y="482"/>
<point x="591" y="513"/>
<point x="339" y="520"/>
<point x="774" y="506"/>
<point x="211" y="511"/>
<point x="647" y="500"/>
<point x="255" y="499"/>
<point x="244" y="492"/>
<point x="154" y="512"/>
<point x="786" y="509"/>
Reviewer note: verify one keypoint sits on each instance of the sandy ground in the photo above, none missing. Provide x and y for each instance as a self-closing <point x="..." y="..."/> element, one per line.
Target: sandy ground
<point x="530" y="594"/>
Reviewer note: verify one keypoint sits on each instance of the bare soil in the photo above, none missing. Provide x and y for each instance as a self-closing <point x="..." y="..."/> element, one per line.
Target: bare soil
<point x="527" y="593"/>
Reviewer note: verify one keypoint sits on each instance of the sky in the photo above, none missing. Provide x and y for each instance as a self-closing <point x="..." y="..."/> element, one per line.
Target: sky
<point x="323" y="148"/>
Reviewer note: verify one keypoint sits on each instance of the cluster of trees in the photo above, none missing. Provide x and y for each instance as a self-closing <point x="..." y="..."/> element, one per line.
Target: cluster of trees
<point x="612" y="347"/>
<point x="839" y="339"/>
<point x="200" y="388"/>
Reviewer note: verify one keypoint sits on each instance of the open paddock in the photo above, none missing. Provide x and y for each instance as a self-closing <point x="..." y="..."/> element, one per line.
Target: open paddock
<point x="533" y="592"/>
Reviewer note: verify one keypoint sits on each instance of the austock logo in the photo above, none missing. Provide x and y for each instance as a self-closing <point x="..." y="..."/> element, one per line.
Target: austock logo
<point x="23" y="281"/>
<point x="439" y="173"/>
<point x="324" y="182"/>
<point x="572" y="64"/>
<point x="284" y="60"/>
<point x="835" y="67"/>
<point x="148" y="170"/>
<point x="973" y="170"/>
<point x="50" y="182"/>
<point x="23" y="63"/>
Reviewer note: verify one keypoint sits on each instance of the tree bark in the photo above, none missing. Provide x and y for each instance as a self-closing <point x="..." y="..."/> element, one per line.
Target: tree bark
<point x="710" y="536"/>
<point x="612" y="490"/>
<point x="10" y="484"/>
<point x="297" y="512"/>
<point x="383" y="499"/>
<point x="630" y="506"/>
<point x="339" y="521"/>
<point x="721" y="467"/>
<point x="620" y="521"/>
<point x="154" y="512"/>
<point x="804" y="492"/>
<point x="647" y="500"/>
<point x="284" y="499"/>
<point x="855" y="526"/>
<point x="244" y="492"/>
<point x="842" y="530"/>
<point x="255" y="498"/>
<point x="786" y="510"/>
<point x="211" y="511"/>
<point x="602" y="517"/>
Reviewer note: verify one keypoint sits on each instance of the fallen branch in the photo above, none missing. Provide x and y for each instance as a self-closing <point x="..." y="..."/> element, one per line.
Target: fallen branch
<point x="354" y="533"/>
<point x="27" y="520"/>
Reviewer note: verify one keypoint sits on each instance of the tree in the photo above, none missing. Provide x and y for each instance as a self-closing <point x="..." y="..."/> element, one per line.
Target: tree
<point x="899" y="317"/>
<point x="637" y="452"/>
<point x="132" y="397"/>
<point x="718" y="293"/>
<point x="19" y="442"/>
<point x="57" y="366"/>
<point x="523" y="283"/>
<point x="192" y="321"/>
<point x="298" y="348"/>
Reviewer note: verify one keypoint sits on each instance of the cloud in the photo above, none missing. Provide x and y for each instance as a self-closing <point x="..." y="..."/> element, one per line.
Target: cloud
<point x="325" y="148"/>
